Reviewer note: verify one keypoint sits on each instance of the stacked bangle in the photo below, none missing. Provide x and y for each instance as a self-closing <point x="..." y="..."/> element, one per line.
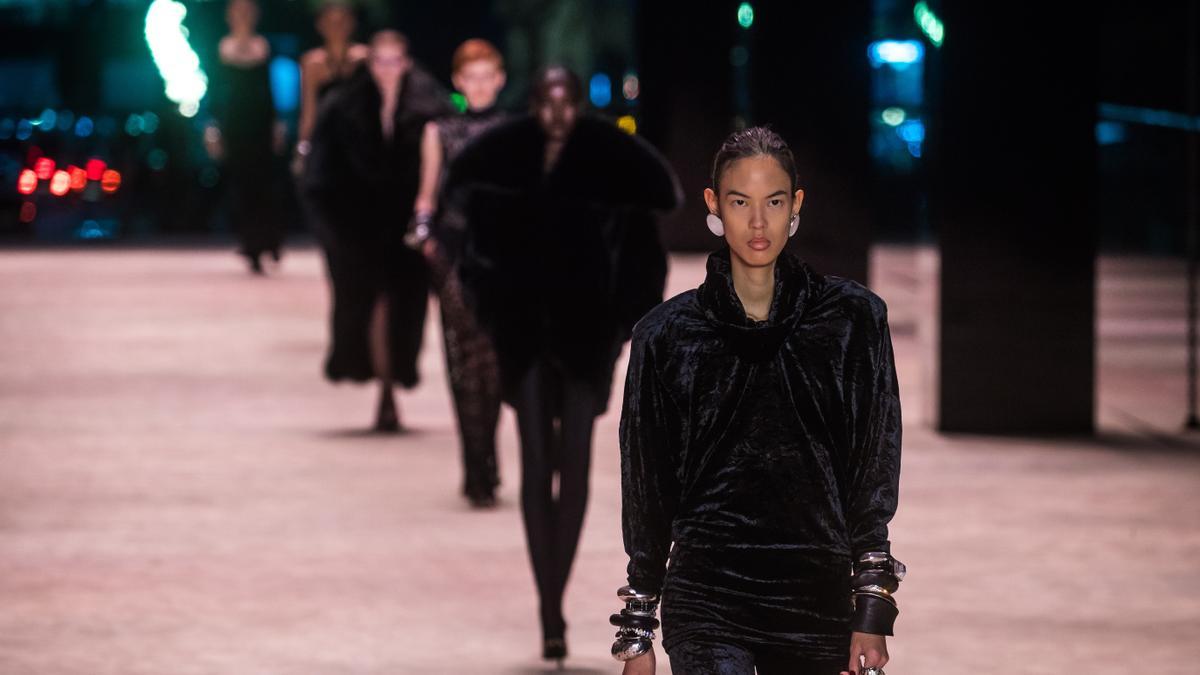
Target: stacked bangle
<point x="635" y="623"/>
<point x="876" y="575"/>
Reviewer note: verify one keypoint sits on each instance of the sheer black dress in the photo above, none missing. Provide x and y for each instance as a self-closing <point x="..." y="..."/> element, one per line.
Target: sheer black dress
<point x="362" y="186"/>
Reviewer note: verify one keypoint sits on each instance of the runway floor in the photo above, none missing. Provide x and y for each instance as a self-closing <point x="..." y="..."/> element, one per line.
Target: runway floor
<point x="182" y="493"/>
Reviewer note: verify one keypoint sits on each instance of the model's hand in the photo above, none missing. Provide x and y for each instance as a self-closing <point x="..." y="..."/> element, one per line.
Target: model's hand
<point x="642" y="665"/>
<point x="871" y="648"/>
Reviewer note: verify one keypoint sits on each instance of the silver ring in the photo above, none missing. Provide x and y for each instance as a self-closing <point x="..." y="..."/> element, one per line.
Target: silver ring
<point x="873" y="671"/>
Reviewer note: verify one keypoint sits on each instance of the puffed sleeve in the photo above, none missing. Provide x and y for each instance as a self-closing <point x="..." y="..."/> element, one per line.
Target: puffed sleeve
<point x="649" y="483"/>
<point x="873" y="465"/>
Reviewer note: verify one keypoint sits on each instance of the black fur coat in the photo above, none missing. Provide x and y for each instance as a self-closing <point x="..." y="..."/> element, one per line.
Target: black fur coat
<point x="560" y="265"/>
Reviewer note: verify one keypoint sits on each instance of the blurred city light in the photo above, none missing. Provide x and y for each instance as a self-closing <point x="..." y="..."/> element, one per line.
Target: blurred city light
<point x="79" y="178"/>
<point x="95" y="168"/>
<point x="97" y="229"/>
<point x="84" y="127"/>
<point x="24" y="130"/>
<point x="1149" y="116"/>
<point x="60" y="183"/>
<point x="892" y="116"/>
<point x="134" y="125"/>
<point x="27" y="182"/>
<point x="627" y="123"/>
<point x="28" y="212"/>
<point x="631" y="88"/>
<point x="930" y="24"/>
<point x="48" y="119"/>
<point x="912" y="131"/>
<point x="149" y="122"/>
<point x="285" y="84"/>
<point x="895" y="52"/>
<point x="600" y="90"/>
<point x="177" y="62"/>
<point x="7" y="128"/>
<point x="110" y="180"/>
<point x="1109" y="133"/>
<point x="745" y="15"/>
<point x="459" y="101"/>
<point x="44" y="168"/>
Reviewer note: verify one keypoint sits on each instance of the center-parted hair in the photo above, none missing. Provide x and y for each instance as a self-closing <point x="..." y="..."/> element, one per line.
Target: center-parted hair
<point x="753" y="142"/>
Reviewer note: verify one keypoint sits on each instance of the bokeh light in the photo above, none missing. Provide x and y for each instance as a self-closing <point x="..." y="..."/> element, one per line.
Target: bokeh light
<point x="27" y="182"/>
<point x="177" y="62"/>
<point x="60" y="183"/>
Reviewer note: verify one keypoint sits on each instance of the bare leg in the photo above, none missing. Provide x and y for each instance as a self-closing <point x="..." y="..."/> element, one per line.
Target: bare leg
<point x="387" y="417"/>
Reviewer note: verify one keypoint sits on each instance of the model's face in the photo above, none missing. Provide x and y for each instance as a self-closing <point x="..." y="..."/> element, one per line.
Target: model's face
<point x="557" y="113"/>
<point x="242" y="15"/>
<point x="480" y="82"/>
<point x="336" y="24"/>
<point x="756" y="204"/>
<point x="388" y="63"/>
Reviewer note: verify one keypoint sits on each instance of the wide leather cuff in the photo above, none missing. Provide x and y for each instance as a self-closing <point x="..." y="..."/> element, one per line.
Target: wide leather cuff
<point x="874" y="615"/>
<point x="875" y="577"/>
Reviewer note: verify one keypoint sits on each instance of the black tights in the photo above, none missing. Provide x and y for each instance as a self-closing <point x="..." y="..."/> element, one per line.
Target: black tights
<point x="712" y="658"/>
<point x="555" y="414"/>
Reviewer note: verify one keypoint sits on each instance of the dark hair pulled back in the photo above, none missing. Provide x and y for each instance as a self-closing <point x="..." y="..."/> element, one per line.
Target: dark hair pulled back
<point x="753" y="142"/>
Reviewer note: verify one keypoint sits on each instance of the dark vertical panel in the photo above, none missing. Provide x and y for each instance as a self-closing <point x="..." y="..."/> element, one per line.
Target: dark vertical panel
<point x="811" y="82"/>
<point x="1013" y="168"/>
<point x="686" y="102"/>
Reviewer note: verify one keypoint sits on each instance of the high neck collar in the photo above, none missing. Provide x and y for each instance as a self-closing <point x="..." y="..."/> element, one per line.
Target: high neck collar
<point x="754" y="340"/>
<point x="481" y="113"/>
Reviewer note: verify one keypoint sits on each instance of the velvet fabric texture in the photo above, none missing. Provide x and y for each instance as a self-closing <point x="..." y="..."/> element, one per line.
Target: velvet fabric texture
<point x="767" y="452"/>
<point x="559" y="265"/>
<point x="362" y="186"/>
<point x="710" y="658"/>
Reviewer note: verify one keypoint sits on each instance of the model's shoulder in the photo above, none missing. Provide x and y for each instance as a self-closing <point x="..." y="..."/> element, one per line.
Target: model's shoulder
<point x="849" y="295"/>
<point x="667" y="317"/>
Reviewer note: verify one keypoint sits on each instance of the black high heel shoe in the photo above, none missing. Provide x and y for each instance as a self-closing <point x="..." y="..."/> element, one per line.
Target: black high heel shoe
<point x="554" y="649"/>
<point x="387" y="421"/>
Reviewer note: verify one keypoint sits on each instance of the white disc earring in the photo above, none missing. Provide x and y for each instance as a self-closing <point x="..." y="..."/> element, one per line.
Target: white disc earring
<point x="794" y="225"/>
<point x="715" y="225"/>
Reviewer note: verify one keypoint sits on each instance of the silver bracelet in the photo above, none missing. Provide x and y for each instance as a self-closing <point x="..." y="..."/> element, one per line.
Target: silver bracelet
<point x="873" y="589"/>
<point x="626" y="650"/>
<point x="629" y="633"/>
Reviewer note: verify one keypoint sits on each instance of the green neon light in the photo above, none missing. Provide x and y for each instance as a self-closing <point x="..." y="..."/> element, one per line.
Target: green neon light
<point x="930" y="24"/>
<point x="745" y="15"/>
<point x="185" y="80"/>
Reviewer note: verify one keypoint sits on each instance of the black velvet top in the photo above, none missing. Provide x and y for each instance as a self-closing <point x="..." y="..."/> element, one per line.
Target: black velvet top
<point x="767" y="452"/>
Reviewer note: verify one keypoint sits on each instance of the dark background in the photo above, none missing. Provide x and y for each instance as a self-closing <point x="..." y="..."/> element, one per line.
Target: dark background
<point x="1034" y="138"/>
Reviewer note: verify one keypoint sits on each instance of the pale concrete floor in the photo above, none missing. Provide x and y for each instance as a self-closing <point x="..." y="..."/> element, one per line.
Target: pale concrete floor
<point x="181" y="492"/>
